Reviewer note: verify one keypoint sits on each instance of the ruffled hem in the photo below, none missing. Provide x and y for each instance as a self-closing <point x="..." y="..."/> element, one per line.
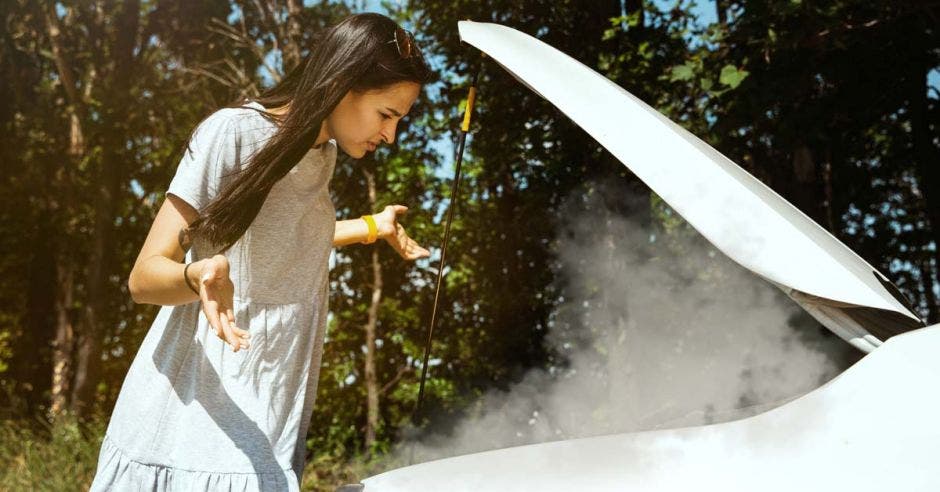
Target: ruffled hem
<point x="117" y="471"/>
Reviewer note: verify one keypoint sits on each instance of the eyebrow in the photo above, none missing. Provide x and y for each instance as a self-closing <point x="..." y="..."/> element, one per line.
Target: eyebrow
<point x="394" y="112"/>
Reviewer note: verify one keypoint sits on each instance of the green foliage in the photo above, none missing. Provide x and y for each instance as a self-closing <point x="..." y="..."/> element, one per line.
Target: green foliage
<point x="43" y="457"/>
<point x="732" y="76"/>
<point x="682" y="72"/>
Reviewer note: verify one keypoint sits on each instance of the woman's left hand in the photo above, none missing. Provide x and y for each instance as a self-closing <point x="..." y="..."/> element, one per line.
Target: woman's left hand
<point x="391" y="231"/>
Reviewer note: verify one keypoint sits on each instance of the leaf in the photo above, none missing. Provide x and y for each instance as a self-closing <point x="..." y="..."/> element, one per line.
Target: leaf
<point x="633" y="19"/>
<point x="731" y="76"/>
<point x="682" y="72"/>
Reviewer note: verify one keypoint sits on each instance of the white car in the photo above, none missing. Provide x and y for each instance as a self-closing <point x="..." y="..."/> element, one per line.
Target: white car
<point x="872" y="428"/>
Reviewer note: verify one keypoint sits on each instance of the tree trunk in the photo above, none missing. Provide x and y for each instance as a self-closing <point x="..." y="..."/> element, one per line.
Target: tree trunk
<point x="64" y="343"/>
<point x="59" y="203"/>
<point x="294" y="35"/>
<point x="372" y="385"/>
<point x="109" y="180"/>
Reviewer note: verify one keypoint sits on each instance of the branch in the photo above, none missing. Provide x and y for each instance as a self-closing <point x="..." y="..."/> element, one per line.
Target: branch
<point x="76" y="107"/>
<point x="217" y="26"/>
<point x="267" y="17"/>
<point x="401" y="372"/>
<point x="61" y="61"/>
<point x="204" y="71"/>
<point x="244" y="79"/>
<point x="849" y="27"/>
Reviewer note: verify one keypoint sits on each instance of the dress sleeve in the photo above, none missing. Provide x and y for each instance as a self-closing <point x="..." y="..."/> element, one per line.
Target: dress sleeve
<point x="211" y="150"/>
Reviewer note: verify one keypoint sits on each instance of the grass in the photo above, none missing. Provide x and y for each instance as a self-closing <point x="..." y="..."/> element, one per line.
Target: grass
<point x="39" y="456"/>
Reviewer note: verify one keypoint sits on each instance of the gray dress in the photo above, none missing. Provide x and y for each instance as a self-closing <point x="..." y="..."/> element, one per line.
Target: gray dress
<point x="192" y="414"/>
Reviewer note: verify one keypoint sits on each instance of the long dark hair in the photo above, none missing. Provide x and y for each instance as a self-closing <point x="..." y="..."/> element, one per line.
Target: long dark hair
<point x="354" y="54"/>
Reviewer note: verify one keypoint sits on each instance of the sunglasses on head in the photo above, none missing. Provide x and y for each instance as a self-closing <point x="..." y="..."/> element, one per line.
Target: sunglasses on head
<point x="404" y="41"/>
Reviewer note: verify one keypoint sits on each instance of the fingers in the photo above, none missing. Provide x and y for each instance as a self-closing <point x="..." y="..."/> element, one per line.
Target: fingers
<point x="216" y="293"/>
<point x="407" y="247"/>
<point x="242" y="335"/>
<point x="209" y="306"/>
<point x="421" y="252"/>
<point x="212" y="314"/>
<point x="228" y="329"/>
<point x="412" y="251"/>
<point x="418" y="252"/>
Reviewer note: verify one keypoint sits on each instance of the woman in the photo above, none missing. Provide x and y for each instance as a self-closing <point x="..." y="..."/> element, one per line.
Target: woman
<point x="221" y="391"/>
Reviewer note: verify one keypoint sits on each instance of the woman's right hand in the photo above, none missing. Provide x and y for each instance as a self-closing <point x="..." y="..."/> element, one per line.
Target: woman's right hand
<point x="217" y="291"/>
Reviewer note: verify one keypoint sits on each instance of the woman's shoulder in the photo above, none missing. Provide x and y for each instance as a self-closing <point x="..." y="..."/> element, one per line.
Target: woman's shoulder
<point x="241" y="122"/>
<point x="248" y="114"/>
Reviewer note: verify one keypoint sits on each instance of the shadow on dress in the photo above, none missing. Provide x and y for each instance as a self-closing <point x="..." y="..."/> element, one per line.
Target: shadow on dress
<point x="270" y="347"/>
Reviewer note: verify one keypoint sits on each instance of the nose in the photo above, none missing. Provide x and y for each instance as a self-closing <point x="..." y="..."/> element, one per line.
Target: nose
<point x="388" y="132"/>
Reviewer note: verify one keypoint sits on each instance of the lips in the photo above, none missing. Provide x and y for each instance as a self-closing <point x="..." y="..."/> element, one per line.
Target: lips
<point x="371" y="146"/>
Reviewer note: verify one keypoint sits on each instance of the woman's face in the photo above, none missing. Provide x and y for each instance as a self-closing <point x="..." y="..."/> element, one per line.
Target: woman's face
<point x="363" y="120"/>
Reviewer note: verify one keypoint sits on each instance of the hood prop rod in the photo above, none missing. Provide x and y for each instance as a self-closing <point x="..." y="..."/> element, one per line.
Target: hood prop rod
<point x="464" y="129"/>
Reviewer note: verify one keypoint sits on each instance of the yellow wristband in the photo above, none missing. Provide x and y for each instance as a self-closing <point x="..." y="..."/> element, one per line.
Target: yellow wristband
<point x="373" y="231"/>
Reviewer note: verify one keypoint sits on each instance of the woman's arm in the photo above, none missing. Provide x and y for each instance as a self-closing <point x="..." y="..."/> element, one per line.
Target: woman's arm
<point x="157" y="276"/>
<point x="350" y="231"/>
<point x="388" y="228"/>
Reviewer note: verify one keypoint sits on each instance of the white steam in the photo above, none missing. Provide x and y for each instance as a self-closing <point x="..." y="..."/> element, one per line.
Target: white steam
<point x="657" y="334"/>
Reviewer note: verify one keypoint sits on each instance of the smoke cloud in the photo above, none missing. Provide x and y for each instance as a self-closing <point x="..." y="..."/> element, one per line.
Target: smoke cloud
<point x="655" y="331"/>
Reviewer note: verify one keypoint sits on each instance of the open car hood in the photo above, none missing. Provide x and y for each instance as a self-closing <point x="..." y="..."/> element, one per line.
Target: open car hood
<point x="742" y="217"/>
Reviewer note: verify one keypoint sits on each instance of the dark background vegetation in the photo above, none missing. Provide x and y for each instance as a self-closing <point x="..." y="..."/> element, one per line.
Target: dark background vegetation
<point x="833" y="104"/>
